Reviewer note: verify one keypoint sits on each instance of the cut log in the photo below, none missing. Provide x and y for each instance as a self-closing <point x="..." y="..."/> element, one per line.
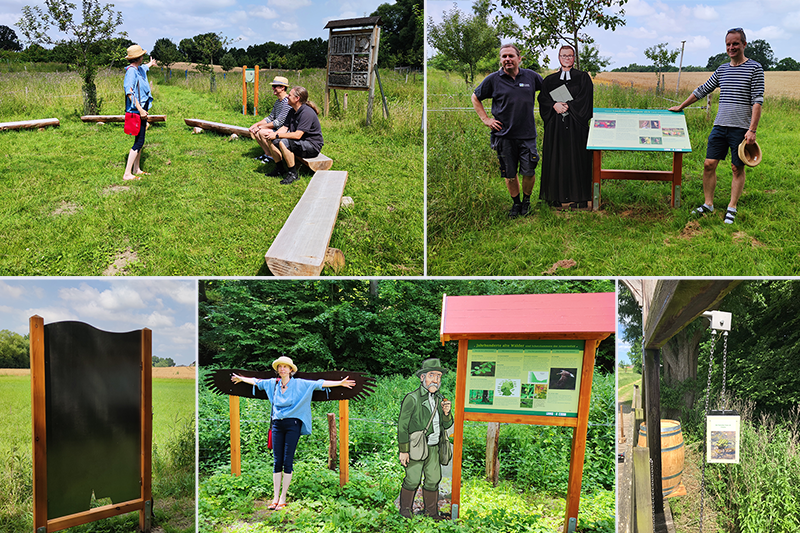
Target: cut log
<point x="120" y="118"/>
<point x="302" y="244"/>
<point x="29" y="124"/>
<point x="227" y="129"/>
<point x="321" y="162"/>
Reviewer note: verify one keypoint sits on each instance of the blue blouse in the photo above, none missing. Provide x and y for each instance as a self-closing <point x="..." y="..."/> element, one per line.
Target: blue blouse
<point x="294" y="403"/>
<point x="136" y="83"/>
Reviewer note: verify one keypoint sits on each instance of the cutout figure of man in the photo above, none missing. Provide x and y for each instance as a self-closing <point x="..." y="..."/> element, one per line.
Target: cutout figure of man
<point x="421" y="409"/>
<point x="513" y="127"/>
<point x="741" y="84"/>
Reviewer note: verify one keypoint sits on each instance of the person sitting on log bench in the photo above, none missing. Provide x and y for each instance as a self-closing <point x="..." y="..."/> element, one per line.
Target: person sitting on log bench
<point x="300" y="136"/>
<point x="274" y="120"/>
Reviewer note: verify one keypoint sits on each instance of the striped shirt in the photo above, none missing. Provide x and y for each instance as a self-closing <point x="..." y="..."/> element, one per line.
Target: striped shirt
<point x="740" y="88"/>
<point x="279" y="112"/>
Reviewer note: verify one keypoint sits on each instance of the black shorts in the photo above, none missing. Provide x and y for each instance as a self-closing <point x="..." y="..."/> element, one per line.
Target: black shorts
<point x="723" y="138"/>
<point x="300" y="148"/>
<point x="513" y="153"/>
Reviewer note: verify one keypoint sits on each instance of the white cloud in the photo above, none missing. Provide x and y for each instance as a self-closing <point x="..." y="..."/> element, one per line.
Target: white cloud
<point x="767" y="33"/>
<point x="263" y="12"/>
<point x="285" y="26"/>
<point x="703" y="12"/>
<point x="698" y="42"/>
<point x="117" y="298"/>
<point x="792" y="20"/>
<point x="289" y="5"/>
<point x="157" y="319"/>
<point x="641" y="33"/>
<point x="638" y="8"/>
<point x="10" y="291"/>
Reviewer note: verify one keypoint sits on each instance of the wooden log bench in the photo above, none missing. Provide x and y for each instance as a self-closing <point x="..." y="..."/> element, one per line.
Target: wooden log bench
<point x="120" y="118"/>
<point x="28" y="124"/>
<point x="321" y="162"/>
<point x="301" y="247"/>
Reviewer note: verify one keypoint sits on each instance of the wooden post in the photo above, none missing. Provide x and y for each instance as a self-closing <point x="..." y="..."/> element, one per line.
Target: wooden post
<point x="38" y="406"/>
<point x="677" y="169"/>
<point x="345" y="102"/>
<point x="458" y="440"/>
<point x="236" y="443"/>
<point x="344" y="442"/>
<point x="244" y="90"/>
<point x="376" y="32"/>
<point x="597" y="166"/>
<point x="492" y="453"/>
<point x="641" y="494"/>
<point x="653" y="419"/>
<point x="332" y="434"/>
<point x="579" y="438"/>
<point x="147" y="430"/>
<point x="255" y="98"/>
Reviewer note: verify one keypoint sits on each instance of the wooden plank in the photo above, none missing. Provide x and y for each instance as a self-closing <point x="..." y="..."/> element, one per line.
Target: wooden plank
<point x="579" y="436"/>
<point x="492" y="453"/>
<point x="648" y="175"/>
<point x="344" y="442"/>
<point x="38" y="407"/>
<point x="333" y="454"/>
<point x="652" y="409"/>
<point x="236" y="441"/>
<point x="98" y="513"/>
<point x="301" y="245"/>
<point x="458" y="427"/>
<point x="561" y="421"/>
<point x="320" y="162"/>
<point x="28" y="124"/>
<point x="641" y="491"/>
<point x="218" y="127"/>
<point x="120" y="118"/>
<point x="147" y="427"/>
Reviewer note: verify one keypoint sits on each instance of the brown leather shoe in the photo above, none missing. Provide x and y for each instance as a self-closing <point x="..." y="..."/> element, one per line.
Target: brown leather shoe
<point x="430" y="499"/>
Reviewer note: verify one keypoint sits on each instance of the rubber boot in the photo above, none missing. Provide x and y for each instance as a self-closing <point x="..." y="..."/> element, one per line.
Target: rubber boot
<point x="406" y="502"/>
<point x="430" y="499"/>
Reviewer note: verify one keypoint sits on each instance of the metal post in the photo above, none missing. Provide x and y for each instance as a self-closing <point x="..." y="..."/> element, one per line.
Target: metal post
<point x="680" y="67"/>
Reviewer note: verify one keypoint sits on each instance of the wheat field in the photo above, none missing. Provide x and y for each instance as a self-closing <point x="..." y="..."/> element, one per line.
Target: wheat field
<point x="776" y="83"/>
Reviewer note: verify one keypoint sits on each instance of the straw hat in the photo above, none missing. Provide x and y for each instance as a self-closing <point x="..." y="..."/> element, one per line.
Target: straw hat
<point x="283" y="360"/>
<point x="135" y="52"/>
<point x="750" y="154"/>
<point x="280" y="80"/>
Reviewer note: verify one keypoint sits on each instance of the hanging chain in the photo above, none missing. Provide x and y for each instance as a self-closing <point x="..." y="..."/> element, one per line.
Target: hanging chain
<point x="708" y="397"/>
<point x="724" y="367"/>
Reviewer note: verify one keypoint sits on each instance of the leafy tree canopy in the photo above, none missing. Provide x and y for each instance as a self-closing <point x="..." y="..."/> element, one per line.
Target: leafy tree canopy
<point x="9" y="40"/>
<point x="13" y="350"/>
<point x="402" y="33"/>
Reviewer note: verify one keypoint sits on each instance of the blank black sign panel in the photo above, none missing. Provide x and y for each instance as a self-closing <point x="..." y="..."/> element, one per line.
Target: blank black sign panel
<point x="93" y="398"/>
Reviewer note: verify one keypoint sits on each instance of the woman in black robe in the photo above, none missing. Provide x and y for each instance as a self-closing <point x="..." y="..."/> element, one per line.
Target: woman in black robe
<point x="566" y="163"/>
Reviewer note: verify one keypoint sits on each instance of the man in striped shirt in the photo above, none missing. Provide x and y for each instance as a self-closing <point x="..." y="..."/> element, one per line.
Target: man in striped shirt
<point x="741" y="84"/>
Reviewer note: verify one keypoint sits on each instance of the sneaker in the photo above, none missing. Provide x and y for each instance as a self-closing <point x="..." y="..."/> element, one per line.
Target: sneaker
<point x="730" y="216"/>
<point x="526" y="209"/>
<point x="703" y="210"/>
<point x="291" y="177"/>
<point x="515" y="211"/>
<point x="275" y="172"/>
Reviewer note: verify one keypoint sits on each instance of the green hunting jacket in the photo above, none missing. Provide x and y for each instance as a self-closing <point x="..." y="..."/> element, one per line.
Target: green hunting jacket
<point x="415" y="412"/>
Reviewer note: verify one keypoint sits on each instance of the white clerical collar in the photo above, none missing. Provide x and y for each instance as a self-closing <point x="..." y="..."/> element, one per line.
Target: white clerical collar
<point x="565" y="75"/>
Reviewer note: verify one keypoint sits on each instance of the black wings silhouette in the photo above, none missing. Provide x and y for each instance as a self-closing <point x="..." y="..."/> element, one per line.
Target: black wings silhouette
<point x="220" y="382"/>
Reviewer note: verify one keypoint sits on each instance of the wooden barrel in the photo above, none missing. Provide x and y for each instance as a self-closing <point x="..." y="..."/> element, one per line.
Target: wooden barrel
<point x="671" y="454"/>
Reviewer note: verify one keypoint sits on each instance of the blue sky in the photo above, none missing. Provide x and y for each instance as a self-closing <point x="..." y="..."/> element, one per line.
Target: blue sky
<point x="249" y="21"/>
<point x="702" y="25"/>
<point x="166" y="306"/>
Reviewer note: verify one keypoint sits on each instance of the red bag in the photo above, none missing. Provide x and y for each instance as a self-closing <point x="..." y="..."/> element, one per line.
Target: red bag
<point x="133" y="123"/>
<point x="269" y="438"/>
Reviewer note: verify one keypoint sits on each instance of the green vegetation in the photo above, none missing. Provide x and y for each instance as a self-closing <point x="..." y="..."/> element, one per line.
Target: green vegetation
<point x="207" y="208"/>
<point x="626" y="379"/>
<point x="530" y="496"/>
<point x="173" y="460"/>
<point x="635" y="232"/>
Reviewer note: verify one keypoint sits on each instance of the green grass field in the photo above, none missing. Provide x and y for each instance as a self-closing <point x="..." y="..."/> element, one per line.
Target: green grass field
<point x="626" y="379"/>
<point x="173" y="478"/>
<point x="207" y="208"/>
<point x="635" y="232"/>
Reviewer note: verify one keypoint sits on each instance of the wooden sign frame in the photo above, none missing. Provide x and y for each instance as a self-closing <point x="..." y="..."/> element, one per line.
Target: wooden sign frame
<point x="143" y="504"/>
<point x="599" y="326"/>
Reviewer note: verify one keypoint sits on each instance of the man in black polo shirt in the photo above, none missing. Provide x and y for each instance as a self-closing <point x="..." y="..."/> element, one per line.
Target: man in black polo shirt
<point x="513" y="129"/>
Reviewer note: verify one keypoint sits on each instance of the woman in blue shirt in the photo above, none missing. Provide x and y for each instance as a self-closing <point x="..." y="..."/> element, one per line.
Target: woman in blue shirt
<point x="137" y="100"/>
<point x="291" y="417"/>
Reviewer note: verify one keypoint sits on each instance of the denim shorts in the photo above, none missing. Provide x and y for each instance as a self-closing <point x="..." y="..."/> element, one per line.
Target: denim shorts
<point x="300" y="147"/>
<point x="516" y="152"/>
<point x="723" y="138"/>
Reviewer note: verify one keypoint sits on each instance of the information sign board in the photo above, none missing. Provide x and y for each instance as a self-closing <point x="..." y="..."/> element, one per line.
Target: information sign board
<point x="530" y="377"/>
<point x="652" y="130"/>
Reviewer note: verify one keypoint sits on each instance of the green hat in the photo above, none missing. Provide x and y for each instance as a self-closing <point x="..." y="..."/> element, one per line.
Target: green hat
<point x="431" y="365"/>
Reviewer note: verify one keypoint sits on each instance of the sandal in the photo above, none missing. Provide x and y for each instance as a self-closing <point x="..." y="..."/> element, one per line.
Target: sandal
<point x="730" y="216"/>
<point x="703" y="210"/>
<point x="280" y="506"/>
<point x="272" y="506"/>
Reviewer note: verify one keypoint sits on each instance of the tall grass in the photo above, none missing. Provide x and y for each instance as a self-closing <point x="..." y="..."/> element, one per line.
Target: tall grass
<point x="635" y="232"/>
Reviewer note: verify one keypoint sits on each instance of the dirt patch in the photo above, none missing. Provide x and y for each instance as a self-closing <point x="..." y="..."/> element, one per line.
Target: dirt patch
<point x="121" y="262"/>
<point x="114" y="188"/>
<point x="564" y="263"/>
<point x="691" y="230"/>
<point x="741" y="236"/>
<point x="776" y="83"/>
<point x="177" y="372"/>
<point x="66" y="208"/>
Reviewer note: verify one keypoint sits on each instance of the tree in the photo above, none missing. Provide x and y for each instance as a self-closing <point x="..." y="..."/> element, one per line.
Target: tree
<point x="13" y="350"/>
<point x="464" y="40"/>
<point x="590" y="59"/>
<point x="661" y="58"/>
<point x="9" y="40"/>
<point x="228" y="62"/>
<point x="715" y="61"/>
<point x="551" y="22"/>
<point x="787" y="63"/>
<point x="166" y="53"/>
<point x="402" y="35"/>
<point x="760" y="50"/>
<point x="100" y="22"/>
<point x="163" y="362"/>
<point x="209" y="46"/>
